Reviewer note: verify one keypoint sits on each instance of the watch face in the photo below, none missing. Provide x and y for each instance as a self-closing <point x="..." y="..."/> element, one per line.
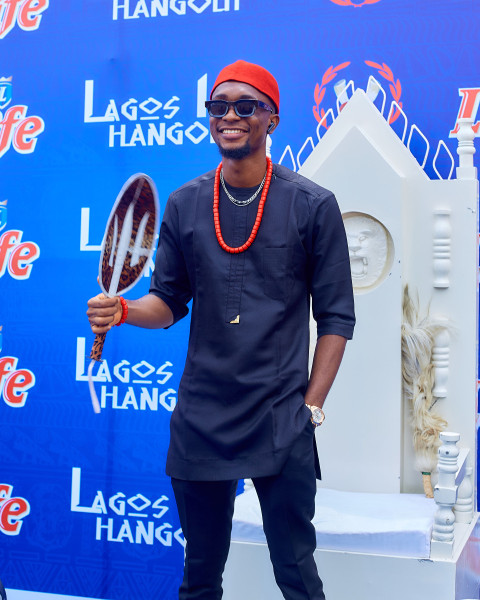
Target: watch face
<point x="318" y="416"/>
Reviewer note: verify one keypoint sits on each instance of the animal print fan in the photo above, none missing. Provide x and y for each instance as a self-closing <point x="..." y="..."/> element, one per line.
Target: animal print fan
<point x="127" y="247"/>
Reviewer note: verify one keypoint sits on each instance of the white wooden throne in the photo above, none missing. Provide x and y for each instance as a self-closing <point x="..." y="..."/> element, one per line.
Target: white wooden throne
<point x="378" y="536"/>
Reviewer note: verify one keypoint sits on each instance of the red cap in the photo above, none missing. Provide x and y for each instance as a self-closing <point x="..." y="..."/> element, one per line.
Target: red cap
<point x="252" y="74"/>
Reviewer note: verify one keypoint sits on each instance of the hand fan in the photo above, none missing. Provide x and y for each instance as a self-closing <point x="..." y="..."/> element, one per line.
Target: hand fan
<point x="127" y="247"/>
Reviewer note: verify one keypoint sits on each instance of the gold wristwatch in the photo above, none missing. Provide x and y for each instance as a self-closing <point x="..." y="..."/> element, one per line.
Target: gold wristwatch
<point x="318" y="416"/>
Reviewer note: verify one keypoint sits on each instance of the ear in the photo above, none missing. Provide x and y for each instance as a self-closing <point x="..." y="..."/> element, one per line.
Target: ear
<point x="274" y="120"/>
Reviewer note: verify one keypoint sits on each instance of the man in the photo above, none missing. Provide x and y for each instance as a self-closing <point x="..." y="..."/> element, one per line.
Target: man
<point x="250" y="243"/>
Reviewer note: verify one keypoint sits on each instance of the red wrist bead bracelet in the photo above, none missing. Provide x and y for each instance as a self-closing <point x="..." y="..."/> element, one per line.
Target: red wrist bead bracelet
<point x="124" y="311"/>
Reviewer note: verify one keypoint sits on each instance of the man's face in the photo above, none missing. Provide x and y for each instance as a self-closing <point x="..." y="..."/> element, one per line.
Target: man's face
<point x="239" y="137"/>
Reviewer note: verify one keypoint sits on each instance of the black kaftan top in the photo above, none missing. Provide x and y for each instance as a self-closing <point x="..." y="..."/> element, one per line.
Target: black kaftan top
<point x="241" y="397"/>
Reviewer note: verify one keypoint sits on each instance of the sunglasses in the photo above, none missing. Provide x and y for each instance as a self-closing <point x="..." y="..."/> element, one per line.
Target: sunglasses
<point x="243" y="107"/>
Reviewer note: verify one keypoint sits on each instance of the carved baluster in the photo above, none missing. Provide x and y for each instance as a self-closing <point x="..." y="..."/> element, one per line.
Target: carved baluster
<point x="440" y="361"/>
<point x="442" y="238"/>
<point x="464" y="504"/>
<point x="445" y="495"/>
<point x="466" y="150"/>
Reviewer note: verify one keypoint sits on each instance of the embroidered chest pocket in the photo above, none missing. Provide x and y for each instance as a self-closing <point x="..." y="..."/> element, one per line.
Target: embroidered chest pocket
<point x="277" y="272"/>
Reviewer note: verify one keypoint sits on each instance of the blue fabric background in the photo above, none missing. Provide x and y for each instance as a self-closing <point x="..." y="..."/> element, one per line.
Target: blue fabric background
<point x="55" y="438"/>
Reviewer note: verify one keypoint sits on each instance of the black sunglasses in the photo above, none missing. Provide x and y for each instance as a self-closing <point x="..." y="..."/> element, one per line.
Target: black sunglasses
<point x="243" y="107"/>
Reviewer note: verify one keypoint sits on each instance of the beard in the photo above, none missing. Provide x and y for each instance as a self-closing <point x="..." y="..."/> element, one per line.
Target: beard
<point x="235" y="153"/>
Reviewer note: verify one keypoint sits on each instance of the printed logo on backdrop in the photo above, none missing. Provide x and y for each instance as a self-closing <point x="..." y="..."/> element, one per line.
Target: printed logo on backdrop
<point x="16" y="128"/>
<point x="470" y="99"/>
<point x="131" y="517"/>
<point x="150" y="121"/>
<point x="340" y="87"/>
<point x="355" y="3"/>
<point x="126" y="386"/>
<point x="16" y="256"/>
<point x="14" y="383"/>
<point x="5" y="91"/>
<point x="137" y="9"/>
<point x="13" y="509"/>
<point x="3" y="214"/>
<point x="27" y="14"/>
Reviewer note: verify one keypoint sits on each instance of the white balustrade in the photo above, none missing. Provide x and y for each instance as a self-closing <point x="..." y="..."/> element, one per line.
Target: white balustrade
<point x="445" y="494"/>
<point x="465" y="500"/>
<point x="466" y="150"/>
<point x="442" y="238"/>
<point x="441" y="361"/>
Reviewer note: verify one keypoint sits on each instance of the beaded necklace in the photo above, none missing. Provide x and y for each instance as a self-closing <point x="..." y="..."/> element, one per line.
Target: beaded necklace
<point x="258" y="219"/>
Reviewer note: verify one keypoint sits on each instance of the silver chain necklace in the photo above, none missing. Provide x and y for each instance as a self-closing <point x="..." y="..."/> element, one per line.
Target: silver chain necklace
<point x="242" y="202"/>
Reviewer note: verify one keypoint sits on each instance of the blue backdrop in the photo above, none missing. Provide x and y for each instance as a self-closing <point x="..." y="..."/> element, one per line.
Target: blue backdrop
<point x="92" y="91"/>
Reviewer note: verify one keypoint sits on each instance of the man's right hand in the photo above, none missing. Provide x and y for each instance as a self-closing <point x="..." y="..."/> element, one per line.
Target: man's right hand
<point x="103" y="313"/>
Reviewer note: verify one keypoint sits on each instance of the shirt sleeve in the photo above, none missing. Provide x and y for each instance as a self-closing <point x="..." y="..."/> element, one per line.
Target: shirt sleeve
<point x="170" y="280"/>
<point x="329" y="270"/>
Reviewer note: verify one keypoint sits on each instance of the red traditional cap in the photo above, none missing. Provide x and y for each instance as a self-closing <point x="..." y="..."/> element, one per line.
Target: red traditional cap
<point x="252" y="74"/>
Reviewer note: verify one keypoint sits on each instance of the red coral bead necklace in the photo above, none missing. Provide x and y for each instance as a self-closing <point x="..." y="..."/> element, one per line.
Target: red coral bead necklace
<point x="258" y="219"/>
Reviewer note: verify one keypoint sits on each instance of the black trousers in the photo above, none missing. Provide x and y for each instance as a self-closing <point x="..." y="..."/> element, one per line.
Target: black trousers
<point x="287" y="501"/>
